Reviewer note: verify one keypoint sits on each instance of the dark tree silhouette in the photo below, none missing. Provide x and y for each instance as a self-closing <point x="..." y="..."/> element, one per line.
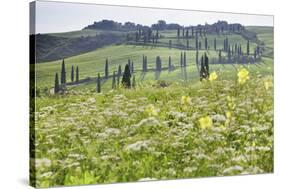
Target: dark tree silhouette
<point x="181" y="60"/>
<point x="98" y="83"/>
<point x="158" y="64"/>
<point x="184" y="59"/>
<point x="187" y="43"/>
<point x="215" y="44"/>
<point x="119" y="70"/>
<point x="63" y="73"/>
<point x="204" y="71"/>
<point x="170" y="64"/>
<point x="113" y="81"/>
<point x="57" y="86"/>
<point x="126" y="79"/>
<point x="77" y="74"/>
<point x="72" y="73"/>
<point x="132" y="67"/>
<point x="248" y="47"/>
<point x="144" y="63"/>
<point x="220" y="56"/>
<point x="106" y="69"/>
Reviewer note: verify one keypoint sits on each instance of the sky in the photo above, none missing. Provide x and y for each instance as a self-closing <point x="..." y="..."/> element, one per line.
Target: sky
<point x="53" y="17"/>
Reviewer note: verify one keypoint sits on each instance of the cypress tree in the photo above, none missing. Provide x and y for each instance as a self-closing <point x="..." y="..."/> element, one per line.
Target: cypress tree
<point x="178" y="34"/>
<point x="72" y="73"/>
<point x="77" y="74"/>
<point x="183" y="31"/>
<point x="181" y="61"/>
<point x="248" y="47"/>
<point x="106" y="69"/>
<point x="206" y="43"/>
<point x="170" y="64"/>
<point x="204" y="71"/>
<point x="98" y="84"/>
<point x="186" y="33"/>
<point x="63" y="73"/>
<point x="57" y="86"/>
<point x="184" y="59"/>
<point x="206" y="62"/>
<point x="196" y="42"/>
<point x="113" y="81"/>
<point x="119" y="70"/>
<point x="158" y="63"/>
<point x="187" y="43"/>
<point x="215" y="44"/>
<point x="229" y="55"/>
<point x="197" y="57"/>
<point x="219" y="56"/>
<point x="126" y="80"/>
<point x="134" y="82"/>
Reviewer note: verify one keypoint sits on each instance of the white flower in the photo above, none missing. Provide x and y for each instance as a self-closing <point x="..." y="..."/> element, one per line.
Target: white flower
<point x="233" y="169"/>
<point x="138" y="146"/>
<point x="44" y="162"/>
<point x="218" y="117"/>
<point x="112" y="131"/>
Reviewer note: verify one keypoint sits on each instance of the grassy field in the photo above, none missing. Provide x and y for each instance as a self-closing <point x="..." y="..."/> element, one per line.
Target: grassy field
<point x="182" y="129"/>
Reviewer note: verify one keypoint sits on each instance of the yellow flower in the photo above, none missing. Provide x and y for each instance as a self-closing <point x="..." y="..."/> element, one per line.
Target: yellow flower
<point x="150" y="110"/>
<point x="243" y="76"/>
<point x="205" y="122"/>
<point x="185" y="100"/>
<point x="268" y="84"/>
<point x="213" y="76"/>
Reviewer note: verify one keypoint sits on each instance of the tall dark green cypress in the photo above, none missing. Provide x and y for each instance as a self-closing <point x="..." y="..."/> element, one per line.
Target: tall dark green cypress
<point x="72" y="73"/>
<point x="184" y="59"/>
<point x="57" y="86"/>
<point x="98" y="83"/>
<point x="206" y="62"/>
<point x="77" y="74"/>
<point x="119" y="70"/>
<point x="63" y="73"/>
<point x="170" y="64"/>
<point x="113" y="81"/>
<point x="215" y="44"/>
<point x="206" y="43"/>
<point x="158" y="64"/>
<point x="181" y="60"/>
<point x="126" y="79"/>
<point x="106" y="73"/>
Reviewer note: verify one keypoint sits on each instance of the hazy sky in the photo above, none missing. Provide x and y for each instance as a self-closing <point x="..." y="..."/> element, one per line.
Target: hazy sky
<point x="61" y="17"/>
